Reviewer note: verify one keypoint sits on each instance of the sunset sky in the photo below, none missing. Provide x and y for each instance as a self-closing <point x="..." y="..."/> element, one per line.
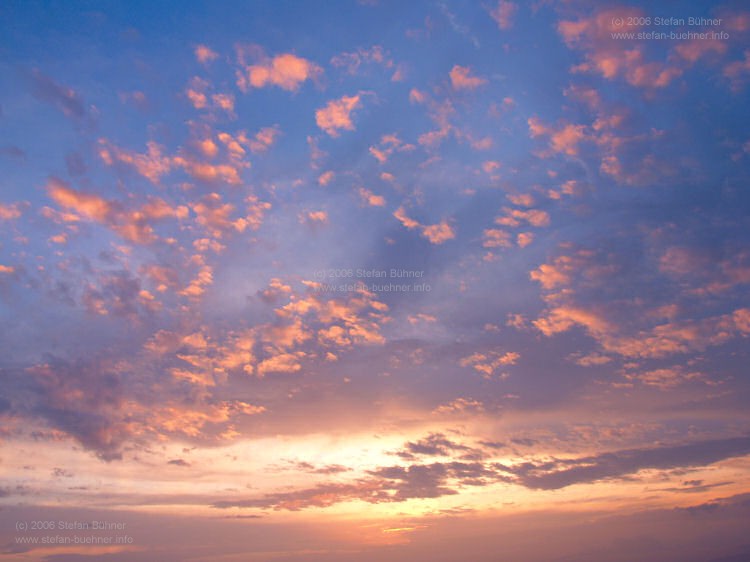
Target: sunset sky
<point x="332" y="281"/>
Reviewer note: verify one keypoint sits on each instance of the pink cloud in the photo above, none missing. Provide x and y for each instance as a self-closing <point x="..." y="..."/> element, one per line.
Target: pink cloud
<point x="435" y="233"/>
<point x="151" y="165"/>
<point x="224" y="102"/>
<point x="286" y="71"/>
<point x="439" y="233"/>
<point x="352" y="61"/>
<point x="461" y="79"/>
<point x="610" y="56"/>
<point x="370" y="198"/>
<point x="564" y="139"/>
<point x="314" y="218"/>
<point x="496" y="238"/>
<point x="135" y="225"/>
<point x="326" y="177"/>
<point x="503" y="14"/>
<point x="88" y="205"/>
<point x="737" y="72"/>
<point x="204" y="54"/>
<point x="336" y="115"/>
<point x="10" y="211"/>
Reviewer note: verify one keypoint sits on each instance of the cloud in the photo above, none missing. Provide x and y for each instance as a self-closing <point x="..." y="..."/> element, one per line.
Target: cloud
<point x="459" y="406"/>
<point x="281" y="363"/>
<point x="462" y="80"/>
<point x="613" y="57"/>
<point x="224" y="102"/>
<point x="503" y="14"/>
<point x="65" y="99"/>
<point x="196" y="93"/>
<point x="10" y="211"/>
<point x="557" y="474"/>
<point x="89" y="205"/>
<point x="152" y="165"/>
<point x="216" y="216"/>
<point x="387" y="146"/>
<point x="382" y="485"/>
<point x="352" y="61"/>
<point x="434" y="445"/>
<point x="326" y="177"/>
<point x="135" y="224"/>
<point x="369" y="198"/>
<point x="286" y="71"/>
<point x="435" y="233"/>
<point x="737" y="72"/>
<point x="204" y="54"/>
<point x="564" y="139"/>
<point x="264" y="139"/>
<point x="336" y="115"/>
<point x="514" y="217"/>
<point x="314" y="218"/>
<point x="487" y="364"/>
<point x="438" y="233"/>
<point x="496" y="238"/>
<point x="636" y="330"/>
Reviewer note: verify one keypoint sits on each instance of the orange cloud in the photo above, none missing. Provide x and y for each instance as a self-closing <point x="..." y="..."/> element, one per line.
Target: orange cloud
<point x="336" y="115"/>
<point x="521" y="199"/>
<point x="388" y="144"/>
<point x="737" y="72"/>
<point x="561" y="319"/>
<point x="204" y="54"/>
<point x="462" y="80"/>
<point x="326" y="177"/>
<point x="224" y="101"/>
<point x="263" y="139"/>
<point x="134" y="225"/>
<point x="210" y="172"/>
<point x="353" y="60"/>
<point x="370" y="198"/>
<point x="503" y="14"/>
<point x="439" y="233"/>
<point x="416" y="96"/>
<point x="524" y="239"/>
<point x="88" y="205"/>
<point x="286" y="71"/>
<point x="435" y="233"/>
<point x="314" y="217"/>
<point x="152" y="165"/>
<point x="608" y="56"/>
<point x="513" y="217"/>
<point x="550" y="275"/>
<point x="208" y="148"/>
<point x="281" y="363"/>
<point x="487" y="363"/>
<point x="496" y="238"/>
<point x="215" y="216"/>
<point x="564" y="139"/>
<point x="196" y="93"/>
<point x="409" y="223"/>
<point x="10" y="212"/>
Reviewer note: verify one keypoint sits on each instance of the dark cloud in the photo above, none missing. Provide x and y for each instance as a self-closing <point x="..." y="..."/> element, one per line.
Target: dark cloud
<point x="435" y="444"/>
<point x="13" y="152"/>
<point x="179" y="462"/>
<point x="385" y="485"/>
<point x="80" y="398"/>
<point x="555" y="474"/>
<point x="75" y="164"/>
<point x="64" y="98"/>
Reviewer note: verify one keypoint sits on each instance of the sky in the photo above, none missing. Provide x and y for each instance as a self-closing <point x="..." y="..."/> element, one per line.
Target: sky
<point x="331" y="281"/>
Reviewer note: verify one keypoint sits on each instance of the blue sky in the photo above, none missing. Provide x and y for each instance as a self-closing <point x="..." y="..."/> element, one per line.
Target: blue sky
<point x="189" y="198"/>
